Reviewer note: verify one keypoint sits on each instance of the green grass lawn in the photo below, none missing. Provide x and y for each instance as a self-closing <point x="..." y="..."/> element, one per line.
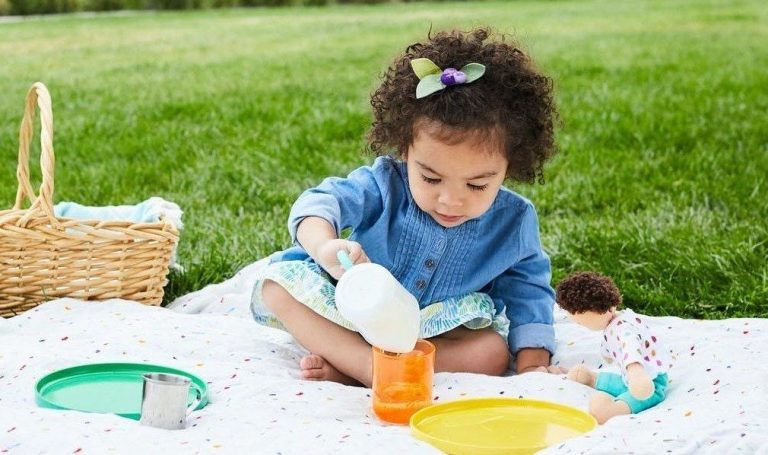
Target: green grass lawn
<point x="660" y="181"/>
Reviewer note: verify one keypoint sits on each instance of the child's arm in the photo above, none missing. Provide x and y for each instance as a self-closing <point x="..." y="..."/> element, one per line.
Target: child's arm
<point x="347" y="202"/>
<point x="528" y="298"/>
<point x="319" y="240"/>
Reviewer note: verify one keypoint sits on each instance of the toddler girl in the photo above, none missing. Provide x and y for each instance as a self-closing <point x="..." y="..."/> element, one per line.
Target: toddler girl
<point x="460" y="114"/>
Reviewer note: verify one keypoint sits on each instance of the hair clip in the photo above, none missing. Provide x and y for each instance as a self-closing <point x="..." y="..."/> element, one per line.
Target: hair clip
<point x="432" y="79"/>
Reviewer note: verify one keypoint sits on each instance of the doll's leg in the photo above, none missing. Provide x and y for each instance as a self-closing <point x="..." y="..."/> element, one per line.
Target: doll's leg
<point x="582" y="375"/>
<point x="339" y="354"/>
<point x="471" y="351"/>
<point x="603" y="406"/>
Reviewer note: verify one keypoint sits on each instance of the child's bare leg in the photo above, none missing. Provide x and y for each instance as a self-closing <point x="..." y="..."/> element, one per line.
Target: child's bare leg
<point x="582" y="375"/>
<point x="472" y="351"/>
<point x="602" y="406"/>
<point x="339" y="354"/>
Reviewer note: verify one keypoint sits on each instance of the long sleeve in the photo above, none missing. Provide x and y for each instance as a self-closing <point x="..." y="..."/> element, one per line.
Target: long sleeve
<point x="350" y="202"/>
<point x="525" y="291"/>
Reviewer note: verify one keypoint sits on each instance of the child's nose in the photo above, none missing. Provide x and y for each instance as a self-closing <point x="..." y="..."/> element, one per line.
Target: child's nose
<point x="449" y="198"/>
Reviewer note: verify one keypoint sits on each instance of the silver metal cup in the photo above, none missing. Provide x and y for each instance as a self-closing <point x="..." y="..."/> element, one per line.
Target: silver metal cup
<point x="164" y="401"/>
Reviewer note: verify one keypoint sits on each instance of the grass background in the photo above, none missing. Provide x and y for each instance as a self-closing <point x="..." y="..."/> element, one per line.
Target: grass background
<point x="660" y="181"/>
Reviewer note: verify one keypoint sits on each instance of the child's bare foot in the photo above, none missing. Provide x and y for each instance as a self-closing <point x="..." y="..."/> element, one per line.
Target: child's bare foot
<point x="316" y="368"/>
<point x="582" y="375"/>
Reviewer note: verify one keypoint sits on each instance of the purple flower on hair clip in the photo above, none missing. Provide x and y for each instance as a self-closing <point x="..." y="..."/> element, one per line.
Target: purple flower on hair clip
<point x="432" y="79"/>
<point x="452" y="76"/>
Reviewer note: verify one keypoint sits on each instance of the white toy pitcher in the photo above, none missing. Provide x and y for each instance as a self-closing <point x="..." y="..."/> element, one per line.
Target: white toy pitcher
<point x="381" y="309"/>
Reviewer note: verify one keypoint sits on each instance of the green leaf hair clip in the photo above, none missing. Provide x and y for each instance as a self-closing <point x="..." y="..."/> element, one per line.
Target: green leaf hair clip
<point x="432" y="79"/>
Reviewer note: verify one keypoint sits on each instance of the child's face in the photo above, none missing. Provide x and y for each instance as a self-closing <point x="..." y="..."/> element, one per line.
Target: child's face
<point x="454" y="183"/>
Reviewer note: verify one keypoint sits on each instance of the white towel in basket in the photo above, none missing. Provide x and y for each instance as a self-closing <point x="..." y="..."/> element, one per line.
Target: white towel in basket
<point x="149" y="211"/>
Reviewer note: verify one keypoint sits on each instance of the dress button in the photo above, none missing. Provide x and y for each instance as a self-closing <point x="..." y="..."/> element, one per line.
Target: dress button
<point x="421" y="284"/>
<point x="429" y="263"/>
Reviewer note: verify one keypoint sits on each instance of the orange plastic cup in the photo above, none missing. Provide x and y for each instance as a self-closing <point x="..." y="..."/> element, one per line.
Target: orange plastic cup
<point x="402" y="383"/>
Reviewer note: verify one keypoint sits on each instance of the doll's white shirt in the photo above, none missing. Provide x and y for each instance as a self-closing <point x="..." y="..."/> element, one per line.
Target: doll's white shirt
<point x="627" y="339"/>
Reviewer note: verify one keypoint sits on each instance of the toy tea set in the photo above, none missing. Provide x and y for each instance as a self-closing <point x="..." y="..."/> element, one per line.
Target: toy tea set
<point x="388" y="317"/>
<point x="154" y="395"/>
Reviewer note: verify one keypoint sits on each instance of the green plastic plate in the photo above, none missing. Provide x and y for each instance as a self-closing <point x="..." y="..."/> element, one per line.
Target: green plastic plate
<point x="108" y="388"/>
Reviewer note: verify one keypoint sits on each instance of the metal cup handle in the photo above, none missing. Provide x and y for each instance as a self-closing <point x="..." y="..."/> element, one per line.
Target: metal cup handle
<point x="197" y="401"/>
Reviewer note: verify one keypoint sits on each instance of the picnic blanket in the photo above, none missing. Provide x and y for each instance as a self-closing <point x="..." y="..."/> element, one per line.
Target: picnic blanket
<point x="717" y="401"/>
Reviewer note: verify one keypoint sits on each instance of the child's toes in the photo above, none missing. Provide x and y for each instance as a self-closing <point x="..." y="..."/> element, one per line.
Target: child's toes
<point x="311" y="362"/>
<point x="313" y="367"/>
<point x="314" y="374"/>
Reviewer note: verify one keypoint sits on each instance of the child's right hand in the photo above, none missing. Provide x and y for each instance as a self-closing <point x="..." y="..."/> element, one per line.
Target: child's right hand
<point x="327" y="259"/>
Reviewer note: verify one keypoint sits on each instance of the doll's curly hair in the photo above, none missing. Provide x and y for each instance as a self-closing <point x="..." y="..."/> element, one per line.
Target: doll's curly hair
<point x="511" y="103"/>
<point x="587" y="291"/>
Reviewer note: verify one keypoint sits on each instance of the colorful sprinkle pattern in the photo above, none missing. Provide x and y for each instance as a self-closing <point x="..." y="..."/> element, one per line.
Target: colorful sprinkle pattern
<point x="716" y="401"/>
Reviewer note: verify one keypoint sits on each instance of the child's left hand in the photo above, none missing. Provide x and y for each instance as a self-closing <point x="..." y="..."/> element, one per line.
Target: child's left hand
<point x="553" y="369"/>
<point x="536" y="359"/>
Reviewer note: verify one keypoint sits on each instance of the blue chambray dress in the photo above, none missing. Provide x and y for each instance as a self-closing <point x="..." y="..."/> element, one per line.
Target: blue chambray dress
<point x="489" y="271"/>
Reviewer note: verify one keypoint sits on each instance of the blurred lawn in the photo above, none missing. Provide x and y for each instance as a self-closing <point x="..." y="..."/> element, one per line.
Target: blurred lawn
<point x="661" y="179"/>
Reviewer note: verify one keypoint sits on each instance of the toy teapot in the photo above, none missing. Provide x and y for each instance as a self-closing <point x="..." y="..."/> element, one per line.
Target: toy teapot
<point x="381" y="309"/>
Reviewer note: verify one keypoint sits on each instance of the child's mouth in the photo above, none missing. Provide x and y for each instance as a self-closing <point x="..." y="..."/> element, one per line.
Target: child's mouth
<point x="448" y="218"/>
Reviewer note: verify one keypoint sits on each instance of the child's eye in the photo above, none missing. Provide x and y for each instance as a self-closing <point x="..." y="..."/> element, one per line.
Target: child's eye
<point x="477" y="187"/>
<point x="431" y="181"/>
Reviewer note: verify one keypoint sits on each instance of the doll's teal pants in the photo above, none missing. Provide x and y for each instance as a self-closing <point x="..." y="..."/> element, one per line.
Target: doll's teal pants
<point x="613" y="384"/>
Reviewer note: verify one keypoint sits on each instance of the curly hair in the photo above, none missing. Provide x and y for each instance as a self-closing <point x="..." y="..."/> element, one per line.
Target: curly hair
<point x="587" y="291"/>
<point x="512" y="103"/>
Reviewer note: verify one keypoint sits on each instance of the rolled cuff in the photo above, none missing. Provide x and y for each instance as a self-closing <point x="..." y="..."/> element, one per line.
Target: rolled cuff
<point x="532" y="335"/>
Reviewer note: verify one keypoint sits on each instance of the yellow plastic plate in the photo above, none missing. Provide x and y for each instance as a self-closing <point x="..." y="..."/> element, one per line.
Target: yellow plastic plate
<point x="498" y="425"/>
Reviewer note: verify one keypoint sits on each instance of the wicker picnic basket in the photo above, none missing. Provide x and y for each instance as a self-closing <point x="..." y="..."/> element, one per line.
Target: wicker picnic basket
<point x="43" y="257"/>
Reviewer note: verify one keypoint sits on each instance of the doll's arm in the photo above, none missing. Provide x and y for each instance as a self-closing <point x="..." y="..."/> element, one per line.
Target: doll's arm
<point x="640" y="384"/>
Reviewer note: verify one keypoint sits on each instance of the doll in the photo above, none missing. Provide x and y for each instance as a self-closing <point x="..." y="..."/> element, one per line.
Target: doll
<point x="592" y="300"/>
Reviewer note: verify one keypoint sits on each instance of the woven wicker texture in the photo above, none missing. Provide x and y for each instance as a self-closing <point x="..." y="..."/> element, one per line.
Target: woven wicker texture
<point x="43" y="257"/>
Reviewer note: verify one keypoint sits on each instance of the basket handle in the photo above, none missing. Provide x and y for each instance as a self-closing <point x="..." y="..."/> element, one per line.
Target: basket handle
<point x="37" y="94"/>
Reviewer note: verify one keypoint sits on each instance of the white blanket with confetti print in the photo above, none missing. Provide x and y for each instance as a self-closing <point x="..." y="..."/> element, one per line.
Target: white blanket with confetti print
<point x="717" y="401"/>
